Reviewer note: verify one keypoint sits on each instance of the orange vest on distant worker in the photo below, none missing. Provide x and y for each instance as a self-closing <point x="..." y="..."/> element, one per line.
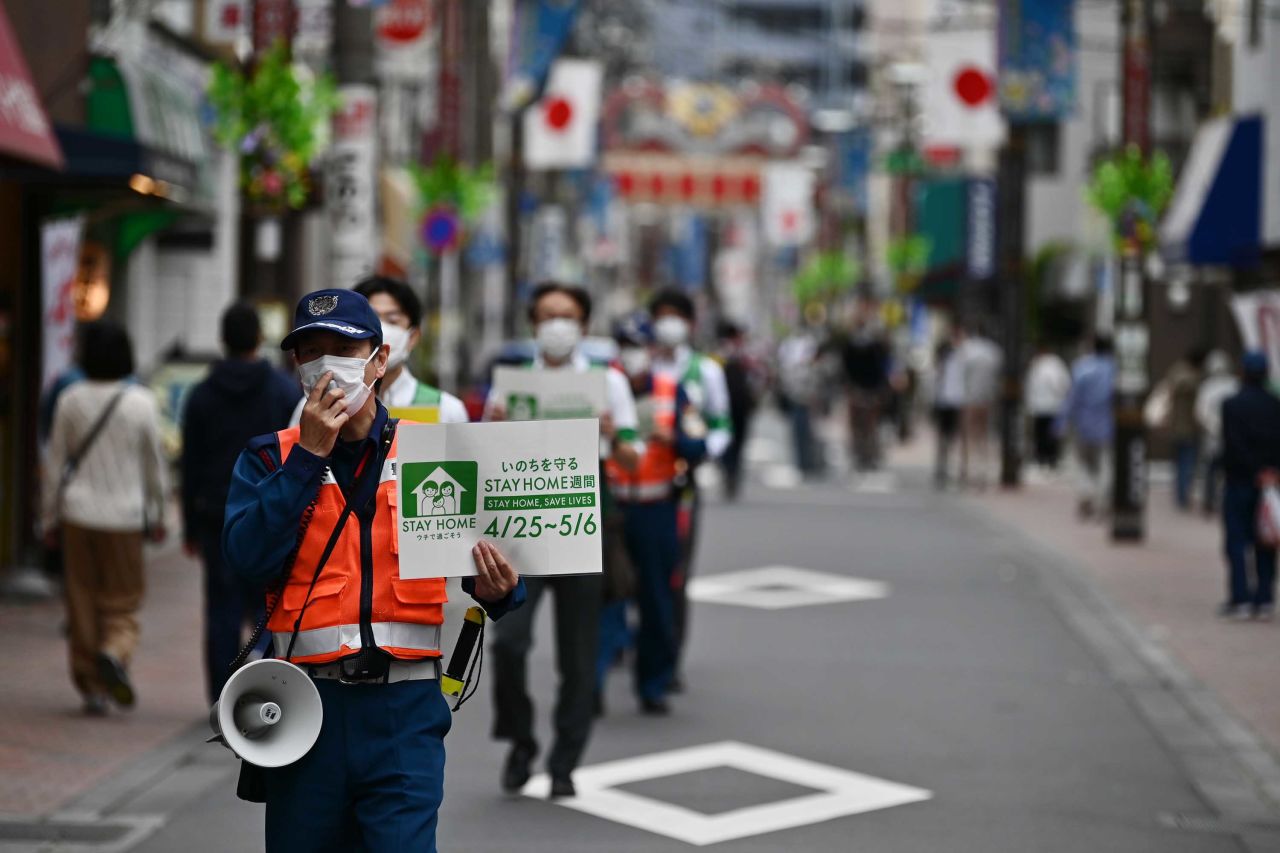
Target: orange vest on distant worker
<point x="406" y="615"/>
<point x="653" y="477"/>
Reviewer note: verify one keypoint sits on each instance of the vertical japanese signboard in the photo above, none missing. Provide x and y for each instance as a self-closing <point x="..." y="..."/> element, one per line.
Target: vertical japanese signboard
<point x="350" y="190"/>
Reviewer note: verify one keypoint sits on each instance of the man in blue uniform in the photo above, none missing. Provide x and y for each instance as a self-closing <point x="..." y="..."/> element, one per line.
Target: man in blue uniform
<point x="314" y="506"/>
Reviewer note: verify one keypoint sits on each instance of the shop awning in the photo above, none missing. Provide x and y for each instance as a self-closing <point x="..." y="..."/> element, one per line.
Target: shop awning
<point x="24" y="128"/>
<point x="1216" y="214"/>
<point x="134" y="104"/>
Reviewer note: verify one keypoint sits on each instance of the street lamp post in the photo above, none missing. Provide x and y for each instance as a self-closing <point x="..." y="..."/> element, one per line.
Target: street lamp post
<point x="1129" y="449"/>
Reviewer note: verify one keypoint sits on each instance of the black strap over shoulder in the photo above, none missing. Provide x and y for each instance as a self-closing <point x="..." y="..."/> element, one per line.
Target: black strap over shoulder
<point x="77" y="456"/>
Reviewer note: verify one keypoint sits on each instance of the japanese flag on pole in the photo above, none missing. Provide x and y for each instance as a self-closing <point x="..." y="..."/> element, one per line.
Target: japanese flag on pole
<point x="560" y="129"/>
<point x="786" y="200"/>
<point x="961" y="109"/>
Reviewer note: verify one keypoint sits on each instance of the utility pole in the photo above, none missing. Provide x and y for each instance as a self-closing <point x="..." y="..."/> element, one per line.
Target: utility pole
<point x="1011" y="184"/>
<point x="479" y="85"/>
<point x="514" y="191"/>
<point x="1129" y="486"/>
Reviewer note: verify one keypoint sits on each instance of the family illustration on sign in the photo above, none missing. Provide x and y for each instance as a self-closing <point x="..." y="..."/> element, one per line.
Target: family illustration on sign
<point x="439" y="494"/>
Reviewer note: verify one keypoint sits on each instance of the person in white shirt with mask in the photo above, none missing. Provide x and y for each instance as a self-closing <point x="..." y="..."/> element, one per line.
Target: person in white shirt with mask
<point x="400" y="311"/>
<point x="559" y="314"/>
<point x="401" y="314"/>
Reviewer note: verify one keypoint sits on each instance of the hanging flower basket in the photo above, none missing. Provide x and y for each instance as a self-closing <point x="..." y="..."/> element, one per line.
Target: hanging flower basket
<point x="277" y="119"/>
<point x="1132" y="191"/>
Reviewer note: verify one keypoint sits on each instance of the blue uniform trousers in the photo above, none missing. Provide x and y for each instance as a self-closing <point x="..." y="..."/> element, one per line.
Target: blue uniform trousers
<point x="654" y="545"/>
<point x="374" y="779"/>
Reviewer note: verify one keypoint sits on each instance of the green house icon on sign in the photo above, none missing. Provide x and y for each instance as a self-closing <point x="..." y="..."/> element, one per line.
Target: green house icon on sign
<point x="438" y="488"/>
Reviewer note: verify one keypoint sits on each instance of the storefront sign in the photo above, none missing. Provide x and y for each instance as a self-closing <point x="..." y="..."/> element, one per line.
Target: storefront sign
<point x="24" y="127"/>
<point x="532" y="489"/>
<point x="982" y="229"/>
<point x="1037" y="59"/>
<point x="1258" y="319"/>
<point x="350" y="191"/>
<point x="59" y="264"/>
<point x="406" y="40"/>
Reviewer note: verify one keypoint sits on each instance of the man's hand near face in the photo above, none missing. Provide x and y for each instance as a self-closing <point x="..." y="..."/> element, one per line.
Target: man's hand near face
<point x="323" y="417"/>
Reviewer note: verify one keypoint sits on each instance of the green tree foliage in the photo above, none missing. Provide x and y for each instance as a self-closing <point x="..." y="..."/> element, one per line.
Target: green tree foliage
<point x="448" y="183"/>
<point x="908" y="258"/>
<point x="825" y="276"/>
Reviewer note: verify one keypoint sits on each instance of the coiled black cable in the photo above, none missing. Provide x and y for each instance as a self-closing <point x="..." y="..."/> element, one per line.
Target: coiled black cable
<point x="276" y="590"/>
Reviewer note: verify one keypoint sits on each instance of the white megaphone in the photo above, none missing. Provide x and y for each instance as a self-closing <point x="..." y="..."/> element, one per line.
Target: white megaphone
<point x="268" y="713"/>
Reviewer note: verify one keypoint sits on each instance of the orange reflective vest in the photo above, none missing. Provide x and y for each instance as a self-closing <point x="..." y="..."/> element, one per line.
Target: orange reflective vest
<point x="405" y="616"/>
<point x="653" y="477"/>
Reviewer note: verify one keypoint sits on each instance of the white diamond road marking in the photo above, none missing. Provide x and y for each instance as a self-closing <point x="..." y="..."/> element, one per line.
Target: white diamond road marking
<point x="764" y="450"/>
<point x="874" y="483"/>
<point x="782" y="587"/>
<point x="781" y="477"/>
<point x="841" y="793"/>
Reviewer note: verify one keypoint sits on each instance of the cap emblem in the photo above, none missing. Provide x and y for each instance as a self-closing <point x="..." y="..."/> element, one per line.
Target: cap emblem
<point x="318" y="306"/>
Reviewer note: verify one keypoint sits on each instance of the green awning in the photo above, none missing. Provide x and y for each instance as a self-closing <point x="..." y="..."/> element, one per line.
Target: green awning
<point x="129" y="101"/>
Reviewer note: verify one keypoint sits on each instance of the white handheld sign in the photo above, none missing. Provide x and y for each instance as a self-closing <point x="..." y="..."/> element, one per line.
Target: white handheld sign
<point x="531" y="488"/>
<point x="547" y="395"/>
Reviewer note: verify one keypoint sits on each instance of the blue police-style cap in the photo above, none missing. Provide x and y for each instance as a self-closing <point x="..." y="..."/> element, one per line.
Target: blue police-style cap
<point x="343" y="312"/>
<point x="1254" y="363"/>
<point x="634" y="329"/>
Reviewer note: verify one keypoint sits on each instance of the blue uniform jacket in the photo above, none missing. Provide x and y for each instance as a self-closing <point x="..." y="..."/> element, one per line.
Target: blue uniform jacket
<point x="266" y="500"/>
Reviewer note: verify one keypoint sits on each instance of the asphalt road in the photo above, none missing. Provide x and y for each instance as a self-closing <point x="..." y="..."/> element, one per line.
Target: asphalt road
<point x="953" y="705"/>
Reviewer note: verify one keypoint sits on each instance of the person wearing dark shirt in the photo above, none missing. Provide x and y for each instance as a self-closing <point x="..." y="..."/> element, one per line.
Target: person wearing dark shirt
<point x="243" y="396"/>
<point x="1250" y="460"/>
<point x="865" y="355"/>
<point x="738" y="371"/>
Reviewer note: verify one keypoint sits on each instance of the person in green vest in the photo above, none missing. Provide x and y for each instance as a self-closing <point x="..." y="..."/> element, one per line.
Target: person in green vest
<point x="703" y="380"/>
<point x="401" y="314"/>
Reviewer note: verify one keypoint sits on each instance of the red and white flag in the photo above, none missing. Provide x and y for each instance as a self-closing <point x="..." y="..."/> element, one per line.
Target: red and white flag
<point x="560" y="129"/>
<point x="961" y="107"/>
<point x="786" y="202"/>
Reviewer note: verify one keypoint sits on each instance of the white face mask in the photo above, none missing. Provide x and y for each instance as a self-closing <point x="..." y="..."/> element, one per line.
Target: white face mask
<point x="671" y="331"/>
<point x="557" y="338"/>
<point x="396" y="337"/>
<point x="635" y="360"/>
<point x="348" y="374"/>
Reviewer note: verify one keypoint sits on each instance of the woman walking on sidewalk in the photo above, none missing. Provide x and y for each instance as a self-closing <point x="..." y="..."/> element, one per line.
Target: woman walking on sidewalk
<point x="104" y="493"/>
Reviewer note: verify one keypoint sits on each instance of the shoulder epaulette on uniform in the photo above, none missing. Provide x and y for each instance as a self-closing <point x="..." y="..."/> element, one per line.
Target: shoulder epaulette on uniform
<point x="267" y="448"/>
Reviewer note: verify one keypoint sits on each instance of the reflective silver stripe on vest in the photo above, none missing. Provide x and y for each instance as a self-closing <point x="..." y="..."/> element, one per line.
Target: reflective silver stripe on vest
<point x="643" y="492"/>
<point x="386" y="475"/>
<point x="322" y="641"/>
